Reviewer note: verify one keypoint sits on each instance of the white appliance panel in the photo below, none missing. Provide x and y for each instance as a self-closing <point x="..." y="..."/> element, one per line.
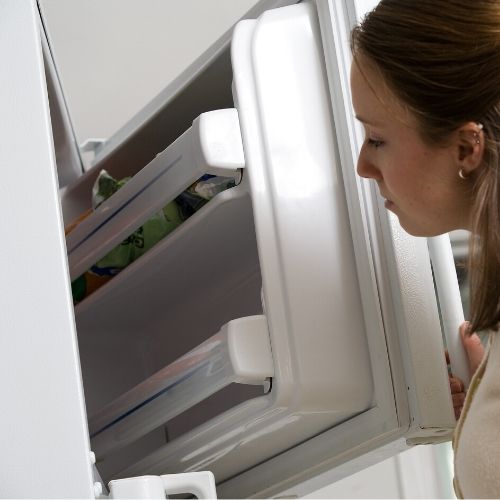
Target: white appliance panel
<point x="45" y="441"/>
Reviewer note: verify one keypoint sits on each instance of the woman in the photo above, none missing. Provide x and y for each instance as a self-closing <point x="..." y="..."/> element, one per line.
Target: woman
<point x="426" y="86"/>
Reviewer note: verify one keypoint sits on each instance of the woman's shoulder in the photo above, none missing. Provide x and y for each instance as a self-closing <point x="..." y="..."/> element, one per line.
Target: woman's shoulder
<point x="477" y="459"/>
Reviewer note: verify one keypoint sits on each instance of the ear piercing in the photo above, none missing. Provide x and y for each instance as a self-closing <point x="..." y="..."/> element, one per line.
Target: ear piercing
<point x="462" y="173"/>
<point x="476" y="134"/>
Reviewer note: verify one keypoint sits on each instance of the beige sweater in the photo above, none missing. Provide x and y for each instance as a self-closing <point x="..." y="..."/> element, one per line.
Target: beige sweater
<point x="476" y="442"/>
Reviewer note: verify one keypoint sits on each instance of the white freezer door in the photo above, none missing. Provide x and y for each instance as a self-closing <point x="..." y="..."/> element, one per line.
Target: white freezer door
<point x="320" y="227"/>
<point x="348" y="298"/>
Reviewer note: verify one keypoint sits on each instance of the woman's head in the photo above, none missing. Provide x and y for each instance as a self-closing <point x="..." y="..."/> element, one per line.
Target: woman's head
<point x="418" y="179"/>
<point x="426" y="74"/>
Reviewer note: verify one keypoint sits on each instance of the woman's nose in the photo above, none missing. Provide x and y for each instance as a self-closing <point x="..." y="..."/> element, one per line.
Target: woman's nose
<point x="367" y="169"/>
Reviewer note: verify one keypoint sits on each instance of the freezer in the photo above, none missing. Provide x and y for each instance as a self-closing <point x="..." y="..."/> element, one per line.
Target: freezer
<point x="284" y="332"/>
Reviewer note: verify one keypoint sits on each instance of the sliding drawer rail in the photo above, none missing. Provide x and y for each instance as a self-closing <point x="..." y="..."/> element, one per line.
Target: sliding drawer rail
<point x="239" y="353"/>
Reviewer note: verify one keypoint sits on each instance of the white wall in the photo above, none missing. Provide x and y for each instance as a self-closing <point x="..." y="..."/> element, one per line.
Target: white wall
<point x="114" y="56"/>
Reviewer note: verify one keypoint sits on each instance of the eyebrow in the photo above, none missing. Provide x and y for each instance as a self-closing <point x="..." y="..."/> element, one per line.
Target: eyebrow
<point x="367" y="122"/>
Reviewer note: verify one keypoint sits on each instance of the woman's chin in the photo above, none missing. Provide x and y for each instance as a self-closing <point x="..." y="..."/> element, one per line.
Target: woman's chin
<point x="419" y="230"/>
<point x="427" y="227"/>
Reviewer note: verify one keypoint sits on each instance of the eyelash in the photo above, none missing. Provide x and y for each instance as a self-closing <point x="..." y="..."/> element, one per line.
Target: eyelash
<point x="375" y="143"/>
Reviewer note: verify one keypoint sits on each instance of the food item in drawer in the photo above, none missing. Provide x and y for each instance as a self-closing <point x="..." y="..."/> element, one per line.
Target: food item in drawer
<point x="199" y="193"/>
<point x="150" y="233"/>
<point x="77" y="221"/>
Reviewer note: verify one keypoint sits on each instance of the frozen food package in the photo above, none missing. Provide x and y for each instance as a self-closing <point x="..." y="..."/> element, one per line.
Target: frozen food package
<point x="199" y="193"/>
<point x="150" y="233"/>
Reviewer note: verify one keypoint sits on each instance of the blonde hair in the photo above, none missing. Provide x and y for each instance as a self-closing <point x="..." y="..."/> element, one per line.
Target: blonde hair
<point x="441" y="58"/>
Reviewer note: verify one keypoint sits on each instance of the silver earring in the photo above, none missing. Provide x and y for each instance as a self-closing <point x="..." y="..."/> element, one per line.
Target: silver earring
<point x="462" y="175"/>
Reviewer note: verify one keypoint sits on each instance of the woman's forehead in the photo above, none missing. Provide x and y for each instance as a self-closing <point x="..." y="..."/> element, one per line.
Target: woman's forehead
<point x="373" y="101"/>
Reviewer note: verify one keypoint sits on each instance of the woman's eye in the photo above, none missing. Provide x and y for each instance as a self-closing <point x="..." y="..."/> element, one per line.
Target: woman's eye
<point x="375" y="143"/>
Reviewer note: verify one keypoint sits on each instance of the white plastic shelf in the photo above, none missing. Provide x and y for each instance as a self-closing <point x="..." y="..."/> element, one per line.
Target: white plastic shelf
<point x="239" y="353"/>
<point x="223" y="229"/>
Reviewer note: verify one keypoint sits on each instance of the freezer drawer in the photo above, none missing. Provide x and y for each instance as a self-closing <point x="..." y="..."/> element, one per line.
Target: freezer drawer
<point x="147" y="310"/>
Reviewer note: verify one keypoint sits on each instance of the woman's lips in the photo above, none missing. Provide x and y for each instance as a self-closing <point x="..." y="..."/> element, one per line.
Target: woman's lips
<point x="387" y="202"/>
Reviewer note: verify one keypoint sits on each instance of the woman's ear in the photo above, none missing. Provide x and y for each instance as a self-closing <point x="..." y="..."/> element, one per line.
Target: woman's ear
<point x="470" y="148"/>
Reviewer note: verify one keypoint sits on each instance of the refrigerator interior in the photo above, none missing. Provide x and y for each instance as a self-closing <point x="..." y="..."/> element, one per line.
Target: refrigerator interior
<point x="182" y="291"/>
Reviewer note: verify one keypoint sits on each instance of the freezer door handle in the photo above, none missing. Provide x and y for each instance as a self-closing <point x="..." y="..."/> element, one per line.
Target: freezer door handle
<point x="450" y="303"/>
